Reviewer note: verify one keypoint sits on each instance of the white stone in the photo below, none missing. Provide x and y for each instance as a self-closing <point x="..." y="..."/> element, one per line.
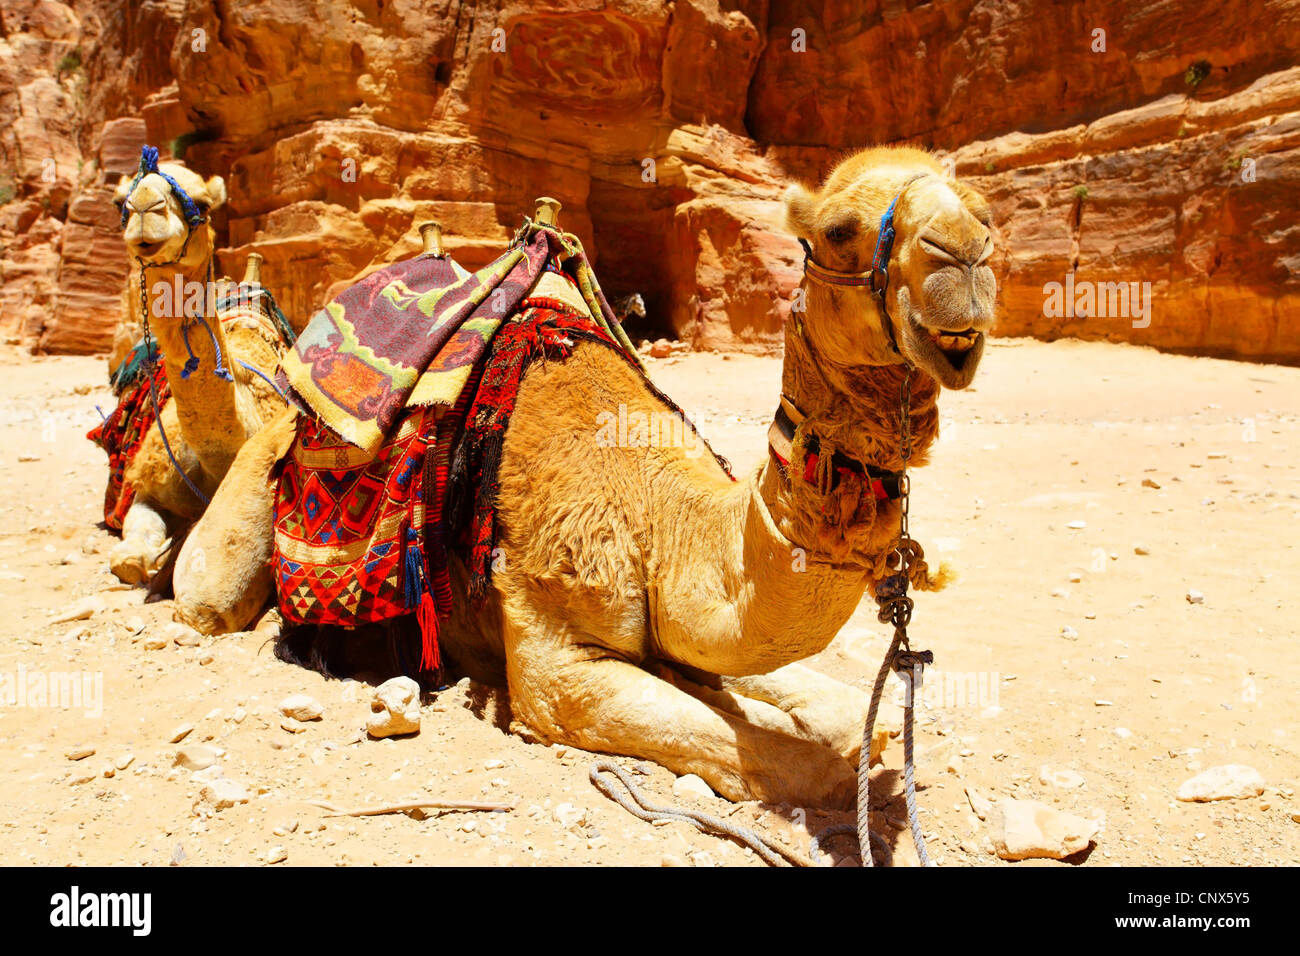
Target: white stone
<point x="1061" y="779"/>
<point x="1195" y="597"/>
<point x="395" y="708"/>
<point x="691" y="785"/>
<point x="182" y="634"/>
<point x="301" y="707"/>
<point x="979" y="803"/>
<point x="180" y="733"/>
<point x="1077" y="525"/>
<point x="277" y="854"/>
<point x="224" y="792"/>
<point x="1069" y="633"/>
<point x="567" y="815"/>
<point x="81" y="610"/>
<point x="1027" y="829"/>
<point x="195" y="757"/>
<point x="1231" y="781"/>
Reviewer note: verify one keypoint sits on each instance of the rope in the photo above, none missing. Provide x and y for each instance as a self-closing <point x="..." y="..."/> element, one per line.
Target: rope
<point x="639" y="806"/>
<point x="157" y="414"/>
<point x="220" y="371"/>
<point x="263" y="376"/>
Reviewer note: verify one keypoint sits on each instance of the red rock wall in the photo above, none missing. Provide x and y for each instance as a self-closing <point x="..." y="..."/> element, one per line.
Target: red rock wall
<point x="668" y="131"/>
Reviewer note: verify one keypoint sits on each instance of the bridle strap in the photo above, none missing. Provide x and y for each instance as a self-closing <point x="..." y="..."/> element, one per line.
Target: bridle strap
<point x="149" y="164"/>
<point x="877" y="277"/>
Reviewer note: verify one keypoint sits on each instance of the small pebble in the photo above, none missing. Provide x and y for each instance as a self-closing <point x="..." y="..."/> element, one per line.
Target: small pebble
<point x="180" y="733"/>
<point x="1195" y="597"/>
<point x="301" y="707"/>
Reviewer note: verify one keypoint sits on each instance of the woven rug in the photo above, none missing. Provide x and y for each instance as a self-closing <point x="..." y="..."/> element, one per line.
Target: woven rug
<point x="411" y="334"/>
<point x="122" y="433"/>
<point x="362" y="538"/>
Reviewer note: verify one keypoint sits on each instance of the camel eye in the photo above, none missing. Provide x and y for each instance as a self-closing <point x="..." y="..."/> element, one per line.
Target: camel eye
<point x="842" y="231"/>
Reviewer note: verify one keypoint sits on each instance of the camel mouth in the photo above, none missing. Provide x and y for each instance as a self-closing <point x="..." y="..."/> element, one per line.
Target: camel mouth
<point x="950" y="355"/>
<point x="147" y="248"/>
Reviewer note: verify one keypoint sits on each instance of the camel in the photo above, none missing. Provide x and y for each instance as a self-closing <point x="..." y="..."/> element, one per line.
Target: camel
<point x="217" y="405"/>
<point x="649" y="606"/>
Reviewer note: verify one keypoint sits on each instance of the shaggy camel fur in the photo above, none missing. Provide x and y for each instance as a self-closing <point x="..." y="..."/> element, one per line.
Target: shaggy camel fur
<point x="646" y="604"/>
<point x="207" y="419"/>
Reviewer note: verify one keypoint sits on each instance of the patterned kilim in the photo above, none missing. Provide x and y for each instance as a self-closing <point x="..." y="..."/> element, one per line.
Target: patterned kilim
<point x="121" y="434"/>
<point x="361" y="538"/>
<point x="411" y="335"/>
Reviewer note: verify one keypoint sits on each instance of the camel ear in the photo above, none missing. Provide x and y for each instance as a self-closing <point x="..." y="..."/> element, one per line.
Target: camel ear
<point x="216" y="188"/>
<point x="123" y="189"/>
<point x="800" y="211"/>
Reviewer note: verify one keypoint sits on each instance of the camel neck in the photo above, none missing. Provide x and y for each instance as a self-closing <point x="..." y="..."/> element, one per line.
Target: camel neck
<point x="850" y="416"/>
<point x="193" y="346"/>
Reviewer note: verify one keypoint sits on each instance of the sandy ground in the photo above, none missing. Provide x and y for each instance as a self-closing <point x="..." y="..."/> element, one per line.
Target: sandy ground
<point x="1147" y="689"/>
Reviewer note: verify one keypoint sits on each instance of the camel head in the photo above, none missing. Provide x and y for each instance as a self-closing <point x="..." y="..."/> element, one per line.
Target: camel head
<point x="940" y="288"/>
<point x="157" y="221"/>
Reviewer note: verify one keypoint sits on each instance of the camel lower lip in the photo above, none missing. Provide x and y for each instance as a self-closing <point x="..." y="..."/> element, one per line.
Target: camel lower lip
<point x="954" y="347"/>
<point x="953" y="342"/>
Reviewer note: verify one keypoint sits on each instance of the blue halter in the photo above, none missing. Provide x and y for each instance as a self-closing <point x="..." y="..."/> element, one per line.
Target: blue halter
<point x="149" y="164"/>
<point x="193" y="219"/>
<point x="877" y="277"/>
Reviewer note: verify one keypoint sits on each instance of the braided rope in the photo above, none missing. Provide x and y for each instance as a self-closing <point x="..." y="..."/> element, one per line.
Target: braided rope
<point x="639" y="806"/>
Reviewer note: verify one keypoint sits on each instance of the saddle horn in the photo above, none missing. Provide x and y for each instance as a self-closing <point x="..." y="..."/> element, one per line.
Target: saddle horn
<point x="548" y="212"/>
<point x="431" y="238"/>
<point x="253" y="270"/>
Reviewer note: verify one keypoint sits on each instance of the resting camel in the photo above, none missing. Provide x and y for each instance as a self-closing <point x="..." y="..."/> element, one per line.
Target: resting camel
<point x="648" y="605"/>
<point x="209" y="415"/>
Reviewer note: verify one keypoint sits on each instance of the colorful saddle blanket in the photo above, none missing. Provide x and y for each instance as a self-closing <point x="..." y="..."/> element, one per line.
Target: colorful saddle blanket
<point x="407" y="382"/>
<point x="121" y="434"/>
<point x="362" y="538"/>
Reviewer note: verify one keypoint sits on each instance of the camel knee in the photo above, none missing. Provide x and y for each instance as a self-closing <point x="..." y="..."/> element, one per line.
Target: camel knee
<point x="219" y="592"/>
<point x="138" y="555"/>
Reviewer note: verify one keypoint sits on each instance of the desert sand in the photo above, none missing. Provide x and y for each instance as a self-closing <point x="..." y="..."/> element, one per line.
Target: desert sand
<point x="1059" y="648"/>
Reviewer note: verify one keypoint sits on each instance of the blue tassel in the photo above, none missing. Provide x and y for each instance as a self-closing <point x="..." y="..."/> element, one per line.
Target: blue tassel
<point x="414" y="583"/>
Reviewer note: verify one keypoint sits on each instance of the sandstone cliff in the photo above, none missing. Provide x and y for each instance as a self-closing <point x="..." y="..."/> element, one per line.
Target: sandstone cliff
<point x="1118" y="145"/>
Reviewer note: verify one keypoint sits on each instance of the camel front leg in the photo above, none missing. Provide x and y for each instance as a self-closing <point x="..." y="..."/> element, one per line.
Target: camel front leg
<point x="223" y="576"/>
<point x="566" y="690"/>
<point x="139" y="554"/>
<point x="822" y="708"/>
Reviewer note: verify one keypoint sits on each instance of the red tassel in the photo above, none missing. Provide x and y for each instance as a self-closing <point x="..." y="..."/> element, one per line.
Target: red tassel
<point x="427" y="615"/>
